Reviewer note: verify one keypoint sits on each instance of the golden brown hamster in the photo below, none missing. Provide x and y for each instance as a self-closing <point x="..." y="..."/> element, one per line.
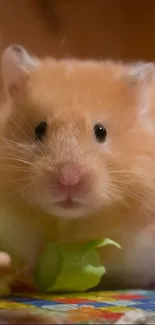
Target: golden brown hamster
<point x="77" y="160"/>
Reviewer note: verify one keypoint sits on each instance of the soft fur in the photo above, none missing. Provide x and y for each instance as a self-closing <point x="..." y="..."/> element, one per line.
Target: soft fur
<point x="118" y="193"/>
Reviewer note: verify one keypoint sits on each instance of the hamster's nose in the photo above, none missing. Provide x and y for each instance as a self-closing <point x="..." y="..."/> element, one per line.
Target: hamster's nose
<point x="69" y="175"/>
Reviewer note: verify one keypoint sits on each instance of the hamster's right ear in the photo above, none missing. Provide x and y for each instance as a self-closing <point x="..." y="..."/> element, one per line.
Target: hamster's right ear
<point x="15" y="66"/>
<point x="143" y="72"/>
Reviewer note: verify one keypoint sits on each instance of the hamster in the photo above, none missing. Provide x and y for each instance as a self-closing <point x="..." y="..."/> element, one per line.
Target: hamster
<point x="77" y="162"/>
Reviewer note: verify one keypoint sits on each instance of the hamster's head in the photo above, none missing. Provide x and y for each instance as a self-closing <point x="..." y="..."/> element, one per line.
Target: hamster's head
<point x="75" y="139"/>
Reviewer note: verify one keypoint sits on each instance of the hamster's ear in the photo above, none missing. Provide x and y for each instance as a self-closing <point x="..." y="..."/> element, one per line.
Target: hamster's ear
<point x="16" y="64"/>
<point x="142" y="71"/>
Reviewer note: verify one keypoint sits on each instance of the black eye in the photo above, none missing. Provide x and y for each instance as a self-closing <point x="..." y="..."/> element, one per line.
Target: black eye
<point x="100" y="132"/>
<point x="40" y="130"/>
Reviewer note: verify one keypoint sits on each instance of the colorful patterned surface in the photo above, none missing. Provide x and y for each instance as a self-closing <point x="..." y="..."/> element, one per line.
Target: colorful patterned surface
<point x="98" y="307"/>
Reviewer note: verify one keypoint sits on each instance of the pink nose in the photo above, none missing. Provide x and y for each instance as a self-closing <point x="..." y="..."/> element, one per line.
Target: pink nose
<point x="69" y="175"/>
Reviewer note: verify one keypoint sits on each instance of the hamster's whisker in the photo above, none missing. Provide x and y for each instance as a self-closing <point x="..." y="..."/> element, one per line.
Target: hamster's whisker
<point x="125" y="204"/>
<point x="22" y="189"/>
<point x="24" y="119"/>
<point x="136" y="187"/>
<point x="19" y="189"/>
<point x="20" y="147"/>
<point x="116" y="188"/>
<point x="21" y="129"/>
<point x="123" y="182"/>
<point x="126" y="172"/>
<point x="140" y="197"/>
<point x="17" y="182"/>
<point x="15" y="153"/>
<point x="143" y="202"/>
<point x="25" y="134"/>
<point x="19" y="150"/>
<point x="17" y="143"/>
<point x="31" y="129"/>
<point x="13" y="167"/>
<point x="133" y="192"/>
<point x="18" y="160"/>
<point x="132" y="186"/>
<point x="24" y="148"/>
<point x="13" y="158"/>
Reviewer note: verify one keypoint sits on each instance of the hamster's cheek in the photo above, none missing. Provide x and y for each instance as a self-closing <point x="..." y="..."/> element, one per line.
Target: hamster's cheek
<point x="105" y="190"/>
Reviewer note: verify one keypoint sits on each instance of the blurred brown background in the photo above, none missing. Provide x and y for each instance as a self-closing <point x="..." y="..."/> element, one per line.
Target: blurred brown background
<point x="121" y="29"/>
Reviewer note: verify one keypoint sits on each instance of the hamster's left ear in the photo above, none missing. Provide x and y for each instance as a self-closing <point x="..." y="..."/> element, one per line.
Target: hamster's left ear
<point x="15" y="66"/>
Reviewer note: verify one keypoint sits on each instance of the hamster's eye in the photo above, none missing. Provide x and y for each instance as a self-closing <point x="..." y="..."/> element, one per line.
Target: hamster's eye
<point x="40" y="130"/>
<point x="100" y="132"/>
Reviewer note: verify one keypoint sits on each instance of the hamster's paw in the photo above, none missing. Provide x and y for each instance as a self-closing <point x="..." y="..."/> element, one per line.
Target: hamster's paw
<point x="28" y="317"/>
<point x="6" y="273"/>
<point x="133" y="317"/>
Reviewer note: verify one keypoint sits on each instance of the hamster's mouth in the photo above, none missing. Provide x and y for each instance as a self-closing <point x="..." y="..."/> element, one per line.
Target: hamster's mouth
<point x="70" y="208"/>
<point x="68" y="204"/>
